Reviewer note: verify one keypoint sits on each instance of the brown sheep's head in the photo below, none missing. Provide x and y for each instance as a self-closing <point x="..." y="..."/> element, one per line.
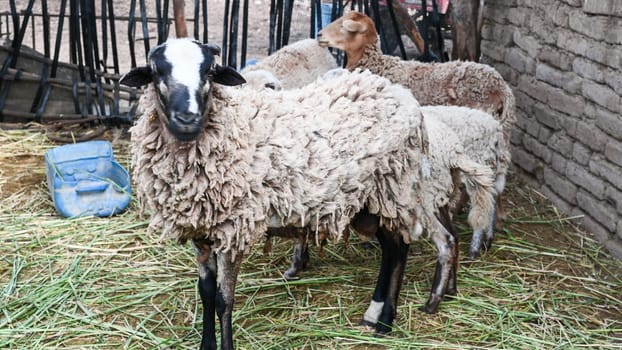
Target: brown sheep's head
<point x="352" y="33"/>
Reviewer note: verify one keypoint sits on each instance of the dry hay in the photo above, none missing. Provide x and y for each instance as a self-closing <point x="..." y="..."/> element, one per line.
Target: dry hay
<point x="104" y="283"/>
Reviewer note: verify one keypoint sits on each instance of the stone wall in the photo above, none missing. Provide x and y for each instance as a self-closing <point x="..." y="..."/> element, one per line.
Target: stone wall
<point x="563" y="59"/>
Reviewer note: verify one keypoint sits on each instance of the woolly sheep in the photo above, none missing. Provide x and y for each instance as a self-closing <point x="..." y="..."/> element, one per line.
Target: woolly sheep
<point x="262" y="79"/>
<point x="219" y="165"/>
<point x="295" y="65"/>
<point x="461" y="83"/>
<point x="482" y="138"/>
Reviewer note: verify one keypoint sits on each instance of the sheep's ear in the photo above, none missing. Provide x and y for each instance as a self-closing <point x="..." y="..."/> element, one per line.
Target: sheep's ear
<point x="213" y="49"/>
<point x="226" y="75"/>
<point x="353" y="26"/>
<point x="137" y="77"/>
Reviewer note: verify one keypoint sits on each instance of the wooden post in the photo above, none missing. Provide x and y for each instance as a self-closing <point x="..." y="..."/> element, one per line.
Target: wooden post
<point x="413" y="33"/>
<point x="466" y="29"/>
<point x="181" y="30"/>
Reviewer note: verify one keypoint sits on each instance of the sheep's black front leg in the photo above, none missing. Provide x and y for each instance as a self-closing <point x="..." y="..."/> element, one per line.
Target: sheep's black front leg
<point x="445" y="246"/>
<point x="370" y="318"/>
<point x="398" y="251"/>
<point x="207" y="290"/>
<point x="383" y="307"/>
<point x="228" y="268"/>
<point x="300" y="257"/>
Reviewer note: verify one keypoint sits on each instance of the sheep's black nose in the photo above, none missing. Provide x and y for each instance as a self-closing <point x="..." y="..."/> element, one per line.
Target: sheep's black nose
<point x="187" y="118"/>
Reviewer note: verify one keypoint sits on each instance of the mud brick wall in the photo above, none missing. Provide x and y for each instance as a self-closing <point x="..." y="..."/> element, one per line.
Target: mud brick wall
<point x="563" y="59"/>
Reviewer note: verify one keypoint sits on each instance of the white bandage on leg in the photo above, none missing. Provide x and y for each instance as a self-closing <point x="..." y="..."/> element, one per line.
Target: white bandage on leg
<point x="373" y="312"/>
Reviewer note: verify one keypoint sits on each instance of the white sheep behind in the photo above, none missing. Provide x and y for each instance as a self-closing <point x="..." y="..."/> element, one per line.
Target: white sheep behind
<point x="294" y="65"/>
<point x="483" y="141"/>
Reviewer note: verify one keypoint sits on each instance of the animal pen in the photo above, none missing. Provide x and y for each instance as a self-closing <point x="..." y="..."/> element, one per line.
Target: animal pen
<point x="61" y="60"/>
<point x="106" y="283"/>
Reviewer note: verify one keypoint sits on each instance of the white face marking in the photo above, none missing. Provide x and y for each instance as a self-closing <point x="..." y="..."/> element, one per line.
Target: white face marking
<point x="186" y="57"/>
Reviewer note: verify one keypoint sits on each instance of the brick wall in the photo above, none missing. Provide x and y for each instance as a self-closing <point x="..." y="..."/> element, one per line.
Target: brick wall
<point x="563" y="59"/>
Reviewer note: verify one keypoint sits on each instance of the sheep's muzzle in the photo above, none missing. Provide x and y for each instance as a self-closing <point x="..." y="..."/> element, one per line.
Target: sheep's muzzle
<point x="185" y="126"/>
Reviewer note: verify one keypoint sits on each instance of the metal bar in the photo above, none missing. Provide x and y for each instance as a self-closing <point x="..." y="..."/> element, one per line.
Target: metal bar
<point x="271" y="39"/>
<point x="437" y="25"/>
<point x="113" y="37"/>
<point x="205" y="28"/>
<point x="233" y="33"/>
<point x="15" y="16"/>
<point x="378" y="23"/>
<point x="32" y="35"/>
<point x="279" y="24"/>
<point x="11" y="60"/>
<point x="46" y="28"/>
<point x="312" y="26"/>
<point x="225" y="33"/>
<point x="61" y="21"/>
<point x="88" y="36"/>
<point x="196" y="19"/>
<point x="131" y="31"/>
<point x="104" y="33"/>
<point x="158" y="5"/>
<point x="41" y="89"/>
<point x="164" y="23"/>
<point x="244" y="33"/>
<point x="287" y="20"/>
<point x="318" y="15"/>
<point x="143" y="16"/>
<point x="396" y="28"/>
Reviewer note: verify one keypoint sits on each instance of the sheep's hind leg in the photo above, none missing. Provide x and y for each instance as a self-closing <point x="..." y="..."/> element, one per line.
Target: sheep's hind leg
<point x="300" y="257"/>
<point x="445" y="245"/>
<point x="207" y="290"/>
<point x="228" y="268"/>
<point x="483" y="237"/>
<point x="445" y="219"/>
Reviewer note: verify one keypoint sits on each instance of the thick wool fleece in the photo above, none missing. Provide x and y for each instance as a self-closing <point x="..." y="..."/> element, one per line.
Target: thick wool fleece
<point x="283" y="159"/>
<point x="297" y="64"/>
<point x="458" y="83"/>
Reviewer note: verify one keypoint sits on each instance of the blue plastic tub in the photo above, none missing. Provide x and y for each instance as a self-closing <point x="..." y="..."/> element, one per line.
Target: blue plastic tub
<point x="84" y="179"/>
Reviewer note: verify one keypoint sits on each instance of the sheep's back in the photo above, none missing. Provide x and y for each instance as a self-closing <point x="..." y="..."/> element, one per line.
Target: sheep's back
<point x="480" y="134"/>
<point x="340" y="144"/>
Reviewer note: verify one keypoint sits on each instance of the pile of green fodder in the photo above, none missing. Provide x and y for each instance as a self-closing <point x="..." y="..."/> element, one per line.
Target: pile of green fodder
<point x="106" y="283"/>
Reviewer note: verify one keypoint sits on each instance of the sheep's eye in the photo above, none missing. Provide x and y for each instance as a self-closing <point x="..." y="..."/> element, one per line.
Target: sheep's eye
<point x="270" y="86"/>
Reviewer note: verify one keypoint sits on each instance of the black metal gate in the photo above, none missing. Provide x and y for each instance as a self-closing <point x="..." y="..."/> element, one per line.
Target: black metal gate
<point x="38" y="84"/>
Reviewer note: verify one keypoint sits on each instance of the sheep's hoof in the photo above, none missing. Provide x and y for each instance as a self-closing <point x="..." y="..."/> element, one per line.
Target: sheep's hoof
<point x="431" y="307"/>
<point x="473" y="256"/>
<point x="382" y="330"/>
<point x="450" y="293"/>
<point x="290" y="275"/>
<point x="487" y="244"/>
<point x="367" y="324"/>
